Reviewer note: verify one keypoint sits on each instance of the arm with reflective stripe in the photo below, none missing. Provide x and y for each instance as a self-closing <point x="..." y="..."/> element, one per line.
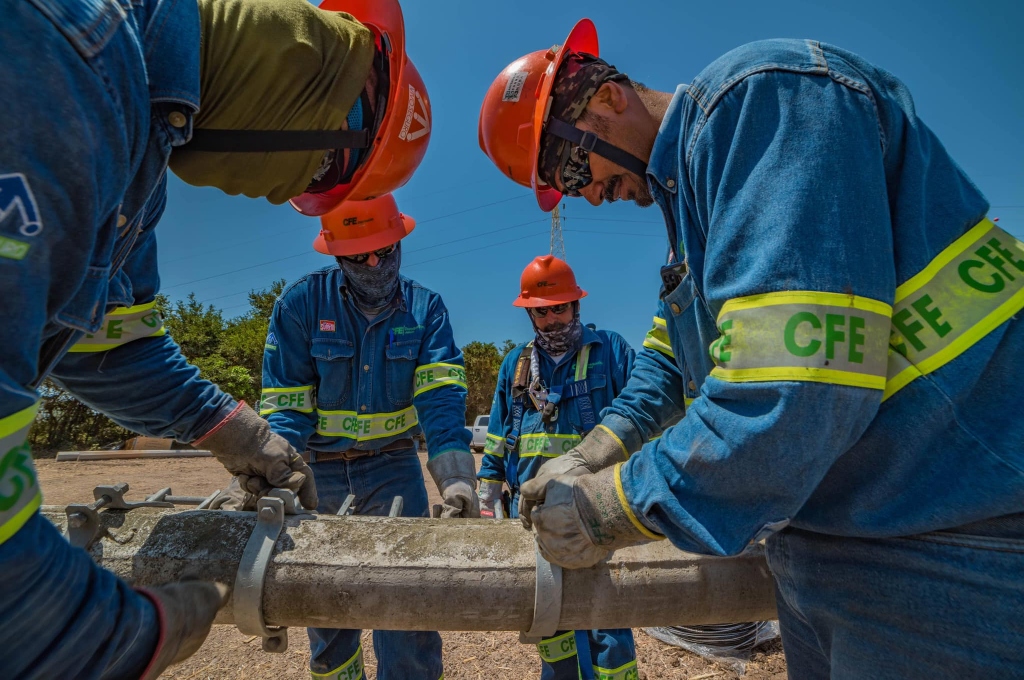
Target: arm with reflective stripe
<point x="122" y="326"/>
<point x="651" y="400"/>
<point x="147" y="386"/>
<point x="439" y="389"/>
<point x="289" y="378"/>
<point x="499" y="424"/>
<point x="20" y="495"/>
<point x="799" y="276"/>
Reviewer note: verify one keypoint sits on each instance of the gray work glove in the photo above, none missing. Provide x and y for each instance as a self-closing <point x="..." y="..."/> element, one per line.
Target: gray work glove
<point x="490" y="497"/>
<point x="234" y="498"/>
<point x="598" y="450"/>
<point x="186" y="610"/>
<point x="262" y="460"/>
<point x="454" y="472"/>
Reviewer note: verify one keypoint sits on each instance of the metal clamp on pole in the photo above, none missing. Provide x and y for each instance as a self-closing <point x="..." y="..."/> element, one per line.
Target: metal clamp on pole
<point x="547" y="602"/>
<point x="247" y="598"/>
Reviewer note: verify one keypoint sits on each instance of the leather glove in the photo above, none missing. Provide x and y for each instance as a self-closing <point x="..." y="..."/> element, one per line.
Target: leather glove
<point x="234" y="498"/>
<point x="186" y="611"/>
<point x="598" y="450"/>
<point x="490" y="497"/>
<point x="582" y="519"/>
<point x="454" y="472"/>
<point x="244" y="444"/>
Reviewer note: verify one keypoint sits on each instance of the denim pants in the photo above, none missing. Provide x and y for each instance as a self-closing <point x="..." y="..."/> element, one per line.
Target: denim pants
<point x="375" y="481"/>
<point x="612" y="652"/>
<point x="946" y="604"/>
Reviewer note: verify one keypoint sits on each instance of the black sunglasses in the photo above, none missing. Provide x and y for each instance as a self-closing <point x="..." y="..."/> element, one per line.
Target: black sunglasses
<point x="554" y="309"/>
<point x="363" y="257"/>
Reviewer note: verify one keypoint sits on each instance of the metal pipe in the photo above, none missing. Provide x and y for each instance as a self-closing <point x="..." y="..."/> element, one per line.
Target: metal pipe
<point x="421" y="574"/>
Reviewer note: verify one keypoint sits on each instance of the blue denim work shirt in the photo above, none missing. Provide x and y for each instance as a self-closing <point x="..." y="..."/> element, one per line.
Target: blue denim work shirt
<point x="334" y="380"/>
<point x="88" y="277"/>
<point x="608" y="367"/>
<point x="801" y="190"/>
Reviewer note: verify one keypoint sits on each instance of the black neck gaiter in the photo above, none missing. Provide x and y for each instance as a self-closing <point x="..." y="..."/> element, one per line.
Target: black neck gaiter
<point x="372" y="288"/>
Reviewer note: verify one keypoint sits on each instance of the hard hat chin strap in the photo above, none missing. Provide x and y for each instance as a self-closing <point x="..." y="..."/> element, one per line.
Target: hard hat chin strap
<point x="593" y="143"/>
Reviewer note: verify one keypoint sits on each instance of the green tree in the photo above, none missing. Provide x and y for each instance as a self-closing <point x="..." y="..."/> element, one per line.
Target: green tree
<point x="483" y="360"/>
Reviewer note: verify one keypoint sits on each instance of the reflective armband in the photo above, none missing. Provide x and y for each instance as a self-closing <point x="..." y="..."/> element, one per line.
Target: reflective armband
<point x="20" y="496"/>
<point x="494" y="445"/>
<point x="365" y="426"/>
<point x="657" y="338"/>
<point x="968" y="290"/>
<point x="121" y="326"/>
<point x="803" y="335"/>
<point x="276" y="399"/>
<point x="547" y="445"/>
<point x="430" y="376"/>
<point x="558" y="648"/>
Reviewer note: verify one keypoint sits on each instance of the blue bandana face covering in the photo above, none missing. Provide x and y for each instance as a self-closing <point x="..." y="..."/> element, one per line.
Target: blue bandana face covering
<point x="372" y="288"/>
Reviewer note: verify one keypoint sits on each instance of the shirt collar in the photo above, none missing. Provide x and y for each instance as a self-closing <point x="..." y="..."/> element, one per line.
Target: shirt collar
<point x="663" y="168"/>
<point x="171" y="43"/>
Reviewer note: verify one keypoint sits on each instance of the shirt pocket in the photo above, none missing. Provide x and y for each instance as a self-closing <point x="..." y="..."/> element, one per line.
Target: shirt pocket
<point x="400" y="367"/>
<point x="334" y="367"/>
<point x="691" y="327"/>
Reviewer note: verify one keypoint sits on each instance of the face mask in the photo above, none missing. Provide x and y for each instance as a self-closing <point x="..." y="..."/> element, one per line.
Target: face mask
<point x="372" y="288"/>
<point x="560" y="338"/>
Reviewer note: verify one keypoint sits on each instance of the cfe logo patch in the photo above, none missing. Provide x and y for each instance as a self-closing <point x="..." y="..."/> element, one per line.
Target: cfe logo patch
<point x="16" y="199"/>
<point x="412" y="115"/>
<point x="327" y="326"/>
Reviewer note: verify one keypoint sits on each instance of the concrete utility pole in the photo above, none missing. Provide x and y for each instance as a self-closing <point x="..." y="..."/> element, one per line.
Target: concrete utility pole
<point x="421" y="574"/>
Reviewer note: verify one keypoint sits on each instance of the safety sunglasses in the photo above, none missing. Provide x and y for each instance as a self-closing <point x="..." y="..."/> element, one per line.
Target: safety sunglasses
<point x="363" y="257"/>
<point x="554" y="309"/>
<point x="576" y="170"/>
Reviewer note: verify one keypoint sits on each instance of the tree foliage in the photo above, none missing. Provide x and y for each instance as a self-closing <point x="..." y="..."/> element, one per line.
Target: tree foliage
<point x="483" y="360"/>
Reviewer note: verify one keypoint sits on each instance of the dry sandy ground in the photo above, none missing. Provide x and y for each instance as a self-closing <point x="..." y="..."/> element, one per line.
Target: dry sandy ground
<point x="228" y="655"/>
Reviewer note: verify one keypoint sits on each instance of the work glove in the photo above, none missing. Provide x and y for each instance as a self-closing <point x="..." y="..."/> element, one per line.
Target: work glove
<point x="186" y="611"/>
<point x="598" y="450"/>
<point x="262" y="460"/>
<point x="234" y="498"/>
<point x="454" y="472"/>
<point x="583" y="518"/>
<point x="490" y="497"/>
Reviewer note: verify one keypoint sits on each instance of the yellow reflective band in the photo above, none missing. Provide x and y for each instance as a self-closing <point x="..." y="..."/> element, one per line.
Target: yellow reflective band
<point x="430" y="376"/>
<point x="558" y="648"/>
<point x="657" y="338"/>
<point x="350" y="670"/>
<point x="688" y="400"/>
<point x="365" y="426"/>
<point x="627" y="671"/>
<point x="121" y="326"/>
<point x="629" y="511"/>
<point x="20" y="496"/>
<point x="803" y="335"/>
<point x="276" y="399"/>
<point x="969" y="289"/>
<point x="546" y="445"/>
<point x="581" y="363"/>
<point x="494" y="446"/>
<point x="607" y="430"/>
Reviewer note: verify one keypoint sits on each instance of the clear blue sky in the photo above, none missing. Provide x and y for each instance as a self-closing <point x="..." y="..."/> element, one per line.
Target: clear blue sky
<point x="962" y="60"/>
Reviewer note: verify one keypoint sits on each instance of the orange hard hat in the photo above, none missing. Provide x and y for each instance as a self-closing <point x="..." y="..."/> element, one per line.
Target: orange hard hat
<point x="547" y="281"/>
<point x="515" y="109"/>
<point x="356" y="227"/>
<point x="403" y="134"/>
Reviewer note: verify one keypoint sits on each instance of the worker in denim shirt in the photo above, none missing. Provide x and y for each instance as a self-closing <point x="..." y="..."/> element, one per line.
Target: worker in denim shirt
<point x="98" y="94"/>
<point x="844" y="318"/>
<point x="550" y="394"/>
<point x="360" y="360"/>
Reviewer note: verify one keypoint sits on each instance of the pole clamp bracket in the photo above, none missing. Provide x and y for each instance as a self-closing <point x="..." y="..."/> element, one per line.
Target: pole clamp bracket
<point x="547" y="602"/>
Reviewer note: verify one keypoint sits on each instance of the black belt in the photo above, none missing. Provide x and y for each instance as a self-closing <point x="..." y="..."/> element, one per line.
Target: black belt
<point x="352" y="454"/>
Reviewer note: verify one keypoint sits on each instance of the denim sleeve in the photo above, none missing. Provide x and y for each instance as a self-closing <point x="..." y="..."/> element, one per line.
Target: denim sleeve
<point x="145" y="384"/>
<point x="788" y="184"/>
<point x="499" y="425"/>
<point x="441" y="407"/>
<point x="651" y="400"/>
<point x="289" y="378"/>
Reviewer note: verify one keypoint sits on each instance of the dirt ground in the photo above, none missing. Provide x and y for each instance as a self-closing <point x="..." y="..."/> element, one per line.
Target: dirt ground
<point x="228" y="655"/>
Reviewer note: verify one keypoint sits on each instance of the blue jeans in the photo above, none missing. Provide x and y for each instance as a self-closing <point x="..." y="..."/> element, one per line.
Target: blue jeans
<point x="375" y="480"/>
<point x="946" y="604"/>
<point x="612" y="652"/>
